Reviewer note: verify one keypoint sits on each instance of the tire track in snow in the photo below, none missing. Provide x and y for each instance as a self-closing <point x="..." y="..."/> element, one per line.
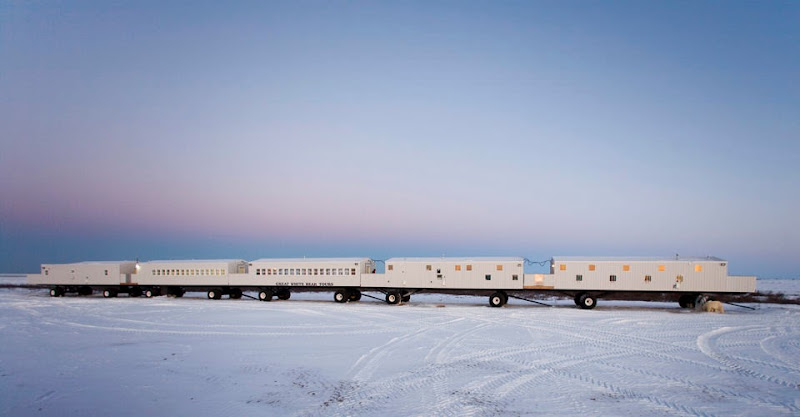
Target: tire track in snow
<point x="707" y="343"/>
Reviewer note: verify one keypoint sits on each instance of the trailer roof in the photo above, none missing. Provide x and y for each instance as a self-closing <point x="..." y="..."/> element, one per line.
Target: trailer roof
<point x="192" y="261"/>
<point x="636" y="259"/>
<point x="460" y="259"/>
<point x="95" y="263"/>
<point x="296" y="260"/>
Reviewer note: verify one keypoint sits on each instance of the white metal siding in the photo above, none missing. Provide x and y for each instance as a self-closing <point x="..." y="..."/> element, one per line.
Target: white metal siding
<point x="415" y="274"/>
<point x="678" y="275"/>
<point x="330" y="278"/>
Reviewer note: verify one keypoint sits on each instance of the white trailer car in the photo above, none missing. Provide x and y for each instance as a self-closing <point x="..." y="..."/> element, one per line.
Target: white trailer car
<point x="80" y="277"/>
<point x="174" y="277"/>
<point x="587" y="277"/>
<point x="276" y="277"/>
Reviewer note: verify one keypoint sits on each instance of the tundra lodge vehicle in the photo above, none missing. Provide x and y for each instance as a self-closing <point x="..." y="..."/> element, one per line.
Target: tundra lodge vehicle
<point x="585" y="279"/>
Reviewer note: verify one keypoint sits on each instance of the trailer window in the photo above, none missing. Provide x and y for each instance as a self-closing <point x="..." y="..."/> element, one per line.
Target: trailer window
<point x="648" y="278"/>
<point x="698" y="268"/>
<point x="469" y="267"/>
<point x="458" y="267"/>
<point x="347" y="271"/>
<point x="258" y="272"/>
<point x="515" y="277"/>
<point x="327" y="271"/>
<point x="499" y="267"/>
<point x="626" y="268"/>
<point x="488" y="277"/>
<point x="679" y="278"/>
<point x="562" y="267"/>
<point x="390" y="267"/>
<point x="427" y="267"/>
<point x="591" y="267"/>
<point x="578" y="277"/>
<point x="662" y="268"/>
<point x="352" y="271"/>
<point x="341" y="272"/>
<point x="106" y="272"/>
<point x="612" y="278"/>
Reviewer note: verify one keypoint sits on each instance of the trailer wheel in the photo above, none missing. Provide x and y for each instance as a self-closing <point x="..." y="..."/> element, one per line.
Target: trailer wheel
<point x="684" y="301"/>
<point x="149" y="293"/>
<point x="109" y="293"/>
<point x="355" y="295"/>
<point x="497" y="299"/>
<point x="393" y="297"/>
<point x="587" y="301"/>
<point x="214" y="294"/>
<point x="265" y="295"/>
<point x="236" y="293"/>
<point x="56" y="292"/>
<point x="340" y="296"/>
<point x="578" y="298"/>
<point x="691" y="300"/>
<point x="284" y="294"/>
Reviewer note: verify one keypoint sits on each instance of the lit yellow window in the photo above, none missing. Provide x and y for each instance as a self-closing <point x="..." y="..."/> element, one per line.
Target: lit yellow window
<point x="469" y="267"/>
<point x="591" y="267"/>
<point x="698" y="268"/>
<point x="499" y="267"/>
<point x="662" y="268"/>
<point x="562" y="267"/>
<point x="458" y="267"/>
<point x="626" y="267"/>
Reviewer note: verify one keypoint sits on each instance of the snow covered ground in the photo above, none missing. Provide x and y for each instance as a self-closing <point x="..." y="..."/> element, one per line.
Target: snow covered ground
<point x="439" y="355"/>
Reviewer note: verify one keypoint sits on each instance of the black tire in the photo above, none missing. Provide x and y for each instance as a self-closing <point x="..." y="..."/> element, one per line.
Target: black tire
<point x="214" y="294"/>
<point x="341" y="296"/>
<point x="150" y="293"/>
<point x="284" y="294"/>
<point x="265" y="295"/>
<point x="56" y="292"/>
<point x="577" y="298"/>
<point x="683" y="301"/>
<point x="393" y="297"/>
<point x="135" y="292"/>
<point x="497" y="299"/>
<point x="109" y="293"/>
<point x="587" y="302"/>
<point x="355" y="295"/>
<point x="236" y="293"/>
<point x="405" y="298"/>
<point x="691" y="300"/>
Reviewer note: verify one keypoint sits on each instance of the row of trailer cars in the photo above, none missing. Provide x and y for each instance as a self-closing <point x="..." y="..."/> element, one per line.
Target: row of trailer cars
<point x="585" y="279"/>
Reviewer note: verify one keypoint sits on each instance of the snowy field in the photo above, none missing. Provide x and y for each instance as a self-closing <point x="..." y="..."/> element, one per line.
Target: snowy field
<point x="439" y="355"/>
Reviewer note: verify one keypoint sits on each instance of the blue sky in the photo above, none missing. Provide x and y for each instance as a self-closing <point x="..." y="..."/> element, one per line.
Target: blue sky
<point x="190" y="130"/>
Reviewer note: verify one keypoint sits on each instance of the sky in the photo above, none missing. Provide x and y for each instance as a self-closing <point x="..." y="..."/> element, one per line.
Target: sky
<point x="170" y="130"/>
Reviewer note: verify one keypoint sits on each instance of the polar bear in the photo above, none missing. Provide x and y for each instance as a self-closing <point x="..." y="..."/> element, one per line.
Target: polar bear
<point x="713" y="307"/>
